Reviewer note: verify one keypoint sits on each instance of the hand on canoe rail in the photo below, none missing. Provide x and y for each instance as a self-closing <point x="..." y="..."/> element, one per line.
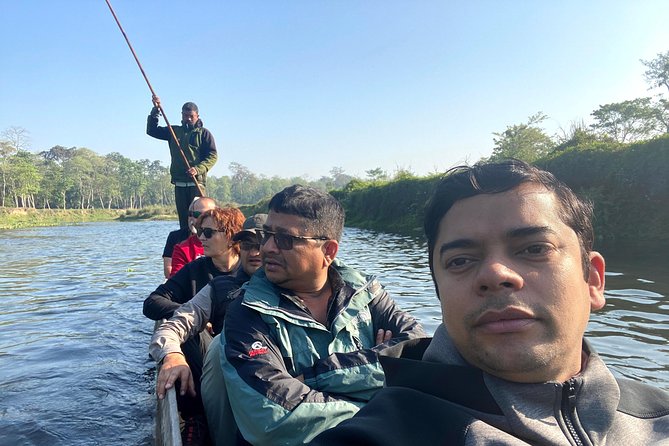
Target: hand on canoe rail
<point x="174" y="368"/>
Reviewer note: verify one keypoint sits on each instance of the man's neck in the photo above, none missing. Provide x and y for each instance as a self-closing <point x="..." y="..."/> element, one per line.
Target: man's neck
<point x="317" y="300"/>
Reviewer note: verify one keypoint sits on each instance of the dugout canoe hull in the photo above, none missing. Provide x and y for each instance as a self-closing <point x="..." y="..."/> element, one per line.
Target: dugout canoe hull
<point x="167" y="420"/>
<point x="167" y="431"/>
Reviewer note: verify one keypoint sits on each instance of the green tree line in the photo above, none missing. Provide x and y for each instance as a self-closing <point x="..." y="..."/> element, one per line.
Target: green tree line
<point x="78" y="178"/>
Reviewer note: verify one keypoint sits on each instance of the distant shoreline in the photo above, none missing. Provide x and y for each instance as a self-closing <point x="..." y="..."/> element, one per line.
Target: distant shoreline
<point x="16" y="218"/>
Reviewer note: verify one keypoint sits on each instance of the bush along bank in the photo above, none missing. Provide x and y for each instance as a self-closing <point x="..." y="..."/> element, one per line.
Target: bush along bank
<point x="628" y="185"/>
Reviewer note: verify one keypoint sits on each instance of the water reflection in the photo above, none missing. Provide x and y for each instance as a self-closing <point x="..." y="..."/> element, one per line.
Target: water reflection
<point x="74" y="368"/>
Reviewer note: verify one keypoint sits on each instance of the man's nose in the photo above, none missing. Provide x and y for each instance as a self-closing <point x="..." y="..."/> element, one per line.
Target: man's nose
<point x="496" y="274"/>
<point x="269" y="245"/>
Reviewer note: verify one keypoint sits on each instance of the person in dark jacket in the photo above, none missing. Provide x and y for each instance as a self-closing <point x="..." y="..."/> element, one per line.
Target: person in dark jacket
<point x="198" y="147"/>
<point x="511" y="254"/>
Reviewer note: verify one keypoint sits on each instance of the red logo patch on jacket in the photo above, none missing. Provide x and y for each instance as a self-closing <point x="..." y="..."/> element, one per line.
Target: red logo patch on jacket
<point x="257" y="349"/>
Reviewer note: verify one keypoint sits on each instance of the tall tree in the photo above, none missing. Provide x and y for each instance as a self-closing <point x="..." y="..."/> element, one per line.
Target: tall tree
<point x="24" y="178"/>
<point x="339" y="178"/>
<point x="627" y="121"/>
<point x="17" y="137"/>
<point x="526" y="141"/>
<point x="657" y="74"/>
<point x="244" y="183"/>
<point x="6" y="151"/>
<point x="376" y="174"/>
<point x="661" y="109"/>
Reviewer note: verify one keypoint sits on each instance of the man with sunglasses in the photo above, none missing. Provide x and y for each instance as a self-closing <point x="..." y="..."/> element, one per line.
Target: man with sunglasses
<point x="191" y="248"/>
<point x="299" y="346"/>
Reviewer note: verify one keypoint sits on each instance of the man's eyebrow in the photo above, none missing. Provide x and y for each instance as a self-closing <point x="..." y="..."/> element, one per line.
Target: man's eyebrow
<point x="512" y="234"/>
<point x="529" y="231"/>
<point x="275" y="229"/>
<point x="457" y="244"/>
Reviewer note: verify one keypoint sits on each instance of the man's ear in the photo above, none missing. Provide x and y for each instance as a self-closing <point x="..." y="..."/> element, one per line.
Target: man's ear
<point x="330" y="249"/>
<point x="596" y="280"/>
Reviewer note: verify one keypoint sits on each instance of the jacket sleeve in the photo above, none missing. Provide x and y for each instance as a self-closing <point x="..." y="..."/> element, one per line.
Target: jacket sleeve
<point x="208" y="154"/>
<point x="359" y="374"/>
<point x="168" y="297"/>
<point x="387" y="315"/>
<point x="187" y="321"/>
<point x="178" y="259"/>
<point x="270" y="406"/>
<point x="152" y="128"/>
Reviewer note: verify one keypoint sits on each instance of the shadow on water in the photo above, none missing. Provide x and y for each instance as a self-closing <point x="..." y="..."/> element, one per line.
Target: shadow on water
<point x="74" y="367"/>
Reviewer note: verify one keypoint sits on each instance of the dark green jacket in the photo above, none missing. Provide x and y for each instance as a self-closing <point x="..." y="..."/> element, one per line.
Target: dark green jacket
<point x="270" y="339"/>
<point x="197" y="144"/>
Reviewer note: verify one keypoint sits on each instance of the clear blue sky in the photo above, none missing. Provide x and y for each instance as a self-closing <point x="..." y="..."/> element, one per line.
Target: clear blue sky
<point x="298" y="87"/>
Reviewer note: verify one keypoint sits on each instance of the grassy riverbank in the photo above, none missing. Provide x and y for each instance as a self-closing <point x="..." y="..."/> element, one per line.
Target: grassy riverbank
<point x="13" y="218"/>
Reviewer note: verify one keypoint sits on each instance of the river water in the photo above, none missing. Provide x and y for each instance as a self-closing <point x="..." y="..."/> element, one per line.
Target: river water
<point x="74" y="367"/>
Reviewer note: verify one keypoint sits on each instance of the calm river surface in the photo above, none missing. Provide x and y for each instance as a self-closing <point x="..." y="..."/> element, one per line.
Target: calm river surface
<point x="74" y="367"/>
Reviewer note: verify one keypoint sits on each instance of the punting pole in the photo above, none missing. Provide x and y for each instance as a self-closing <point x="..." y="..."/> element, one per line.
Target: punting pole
<point x="174" y="136"/>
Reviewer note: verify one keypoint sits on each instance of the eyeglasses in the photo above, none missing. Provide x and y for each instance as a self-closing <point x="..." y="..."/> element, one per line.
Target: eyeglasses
<point x="194" y="214"/>
<point x="285" y="241"/>
<point x="248" y="245"/>
<point x="208" y="232"/>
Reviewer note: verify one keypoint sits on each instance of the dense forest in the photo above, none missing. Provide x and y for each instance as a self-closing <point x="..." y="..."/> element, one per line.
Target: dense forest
<point x="619" y="161"/>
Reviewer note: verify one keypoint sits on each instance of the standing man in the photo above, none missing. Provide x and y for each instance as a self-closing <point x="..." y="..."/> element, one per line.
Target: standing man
<point x="198" y="146"/>
<point x="299" y="345"/>
<point x="510" y="251"/>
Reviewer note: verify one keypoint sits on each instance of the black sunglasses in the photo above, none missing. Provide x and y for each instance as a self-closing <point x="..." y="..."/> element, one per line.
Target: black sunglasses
<point x="249" y="245"/>
<point x="208" y="232"/>
<point x="194" y="214"/>
<point x="285" y="241"/>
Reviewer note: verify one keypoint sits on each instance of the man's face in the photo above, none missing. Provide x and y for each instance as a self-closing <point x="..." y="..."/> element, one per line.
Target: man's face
<point x="249" y="253"/>
<point x="513" y="295"/>
<point x="189" y="117"/>
<point x="296" y="269"/>
<point x="195" y="210"/>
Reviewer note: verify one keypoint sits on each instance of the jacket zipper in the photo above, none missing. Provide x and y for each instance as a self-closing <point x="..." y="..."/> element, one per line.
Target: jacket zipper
<point x="569" y="410"/>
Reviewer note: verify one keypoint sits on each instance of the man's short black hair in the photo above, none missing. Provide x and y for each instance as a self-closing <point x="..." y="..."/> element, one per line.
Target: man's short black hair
<point x="323" y="212"/>
<point x="190" y="107"/>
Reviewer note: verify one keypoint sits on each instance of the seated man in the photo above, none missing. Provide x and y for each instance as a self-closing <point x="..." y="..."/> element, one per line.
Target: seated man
<point x="510" y="251"/>
<point x="173" y="238"/>
<point x="191" y="248"/>
<point x="299" y="345"/>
